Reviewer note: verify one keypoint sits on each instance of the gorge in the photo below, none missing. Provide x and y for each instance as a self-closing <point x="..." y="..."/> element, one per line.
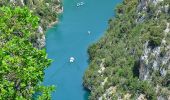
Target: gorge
<point x="69" y="38"/>
<point x="96" y="50"/>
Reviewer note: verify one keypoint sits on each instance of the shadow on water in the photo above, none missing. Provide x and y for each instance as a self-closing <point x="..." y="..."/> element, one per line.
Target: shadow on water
<point x="87" y="94"/>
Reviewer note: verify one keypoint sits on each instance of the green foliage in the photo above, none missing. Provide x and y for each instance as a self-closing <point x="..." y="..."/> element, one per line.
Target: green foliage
<point x="21" y="65"/>
<point x="45" y="92"/>
<point x="18" y="22"/>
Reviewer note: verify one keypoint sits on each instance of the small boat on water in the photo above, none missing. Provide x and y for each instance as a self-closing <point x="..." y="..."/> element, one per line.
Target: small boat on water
<point x="80" y="4"/>
<point x="72" y="59"/>
<point x="89" y="32"/>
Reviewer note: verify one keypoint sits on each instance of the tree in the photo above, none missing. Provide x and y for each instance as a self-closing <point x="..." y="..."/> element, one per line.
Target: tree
<point x="21" y="65"/>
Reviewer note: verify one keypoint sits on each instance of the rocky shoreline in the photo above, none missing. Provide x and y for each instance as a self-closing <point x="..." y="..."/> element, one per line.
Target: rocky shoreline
<point x="41" y="41"/>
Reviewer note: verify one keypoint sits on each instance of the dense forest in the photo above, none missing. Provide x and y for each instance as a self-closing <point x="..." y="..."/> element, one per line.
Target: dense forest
<point x="22" y="62"/>
<point x="131" y="61"/>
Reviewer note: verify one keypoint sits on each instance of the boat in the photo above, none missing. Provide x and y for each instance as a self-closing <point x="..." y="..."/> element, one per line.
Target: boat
<point x="72" y="59"/>
<point x="80" y="4"/>
<point x="89" y="32"/>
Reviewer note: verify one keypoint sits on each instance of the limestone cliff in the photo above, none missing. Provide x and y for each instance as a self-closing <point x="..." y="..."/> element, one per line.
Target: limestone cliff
<point x="132" y="60"/>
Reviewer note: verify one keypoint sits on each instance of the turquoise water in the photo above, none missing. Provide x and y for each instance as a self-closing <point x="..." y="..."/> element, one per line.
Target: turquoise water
<point x="70" y="38"/>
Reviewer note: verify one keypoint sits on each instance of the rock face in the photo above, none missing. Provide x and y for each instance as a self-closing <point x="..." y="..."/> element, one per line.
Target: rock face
<point x="40" y="43"/>
<point x="157" y="59"/>
<point x="132" y="60"/>
<point x="17" y="1"/>
<point x="154" y="59"/>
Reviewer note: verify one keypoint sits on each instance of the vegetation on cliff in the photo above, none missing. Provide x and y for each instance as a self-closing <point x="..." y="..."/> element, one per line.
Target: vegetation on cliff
<point x="131" y="60"/>
<point x="46" y="10"/>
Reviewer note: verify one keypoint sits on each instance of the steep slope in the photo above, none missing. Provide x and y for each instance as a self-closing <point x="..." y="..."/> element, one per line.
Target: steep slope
<point x="131" y="61"/>
<point x="47" y="10"/>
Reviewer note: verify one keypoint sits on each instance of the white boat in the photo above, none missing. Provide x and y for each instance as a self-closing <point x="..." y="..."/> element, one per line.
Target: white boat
<point x="72" y="59"/>
<point x="80" y="4"/>
<point x="89" y="32"/>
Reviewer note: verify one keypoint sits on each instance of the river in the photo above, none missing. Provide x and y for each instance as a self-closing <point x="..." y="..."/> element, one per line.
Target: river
<point x="70" y="38"/>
